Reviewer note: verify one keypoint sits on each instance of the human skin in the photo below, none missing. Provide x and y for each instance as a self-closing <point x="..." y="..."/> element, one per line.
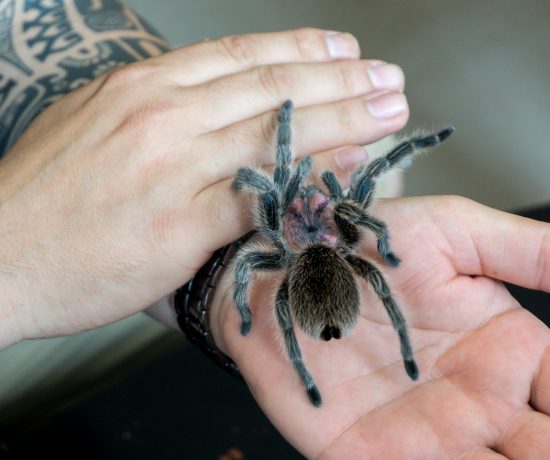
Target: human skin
<point x="105" y="199"/>
<point x="484" y="385"/>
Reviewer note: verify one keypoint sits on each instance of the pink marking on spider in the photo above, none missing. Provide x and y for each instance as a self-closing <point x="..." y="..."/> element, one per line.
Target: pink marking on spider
<point x="309" y="221"/>
<point x="317" y="200"/>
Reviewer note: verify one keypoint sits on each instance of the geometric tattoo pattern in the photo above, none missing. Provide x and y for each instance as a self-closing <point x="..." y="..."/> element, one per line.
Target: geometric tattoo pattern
<point x="50" y="47"/>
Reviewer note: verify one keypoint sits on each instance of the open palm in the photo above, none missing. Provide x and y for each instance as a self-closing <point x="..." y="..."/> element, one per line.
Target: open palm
<point x="484" y="361"/>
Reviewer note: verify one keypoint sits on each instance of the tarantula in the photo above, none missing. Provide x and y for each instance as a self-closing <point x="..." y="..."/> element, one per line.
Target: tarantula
<point x="313" y="237"/>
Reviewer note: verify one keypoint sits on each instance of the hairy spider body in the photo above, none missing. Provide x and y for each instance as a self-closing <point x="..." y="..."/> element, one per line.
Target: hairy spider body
<point x="323" y="293"/>
<point x="314" y="236"/>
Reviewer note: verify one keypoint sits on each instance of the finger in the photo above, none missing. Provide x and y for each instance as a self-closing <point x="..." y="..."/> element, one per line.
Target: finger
<point x="527" y="438"/>
<point x="494" y="243"/>
<point x="230" y="214"/>
<point x="212" y="59"/>
<point x="265" y="88"/>
<point x="360" y="120"/>
<point x="540" y="396"/>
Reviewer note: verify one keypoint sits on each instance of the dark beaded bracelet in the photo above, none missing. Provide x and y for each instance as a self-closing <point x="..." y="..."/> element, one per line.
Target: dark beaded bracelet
<point x="192" y="305"/>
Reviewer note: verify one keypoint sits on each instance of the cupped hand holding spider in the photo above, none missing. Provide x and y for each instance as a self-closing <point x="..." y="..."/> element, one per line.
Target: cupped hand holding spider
<point x="314" y="235"/>
<point x="484" y="362"/>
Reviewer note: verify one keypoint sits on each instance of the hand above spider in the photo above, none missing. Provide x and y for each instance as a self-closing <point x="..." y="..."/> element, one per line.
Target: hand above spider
<point x="484" y="361"/>
<point x="105" y="199"/>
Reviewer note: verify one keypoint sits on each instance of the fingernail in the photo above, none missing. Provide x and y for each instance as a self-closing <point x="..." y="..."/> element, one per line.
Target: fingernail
<point x="350" y="157"/>
<point x="386" y="76"/>
<point x="387" y="105"/>
<point x="341" y="45"/>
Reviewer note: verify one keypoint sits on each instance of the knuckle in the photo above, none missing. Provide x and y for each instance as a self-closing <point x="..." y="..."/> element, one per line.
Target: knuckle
<point x="267" y="126"/>
<point x="126" y="75"/>
<point x="352" y="119"/>
<point x="310" y="43"/>
<point x="274" y="79"/>
<point x="238" y="48"/>
<point x="353" y="78"/>
<point x="258" y="136"/>
<point x="148" y="121"/>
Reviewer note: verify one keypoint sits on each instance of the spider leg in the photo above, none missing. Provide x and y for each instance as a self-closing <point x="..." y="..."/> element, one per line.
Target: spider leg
<point x="380" y="229"/>
<point x="371" y="274"/>
<point x="252" y="179"/>
<point x="334" y="187"/>
<point x="247" y="260"/>
<point x="284" y="319"/>
<point x="300" y="174"/>
<point x="362" y="180"/>
<point x="362" y="189"/>
<point x="282" y="187"/>
<point x="348" y="230"/>
<point x="267" y="211"/>
<point x="349" y="215"/>
<point x="283" y="157"/>
<point x="286" y="181"/>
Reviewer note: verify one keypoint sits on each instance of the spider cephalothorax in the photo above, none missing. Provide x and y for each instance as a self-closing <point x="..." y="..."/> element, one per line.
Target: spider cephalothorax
<point x="314" y="236"/>
<point x="309" y="220"/>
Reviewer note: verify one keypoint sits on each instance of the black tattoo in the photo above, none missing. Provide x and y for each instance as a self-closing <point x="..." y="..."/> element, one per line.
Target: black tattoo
<point x="7" y="48"/>
<point x="6" y="87"/>
<point x="52" y="31"/>
<point x="49" y="57"/>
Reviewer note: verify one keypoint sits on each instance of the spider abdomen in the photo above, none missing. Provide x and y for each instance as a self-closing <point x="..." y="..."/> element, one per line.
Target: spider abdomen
<point x="323" y="294"/>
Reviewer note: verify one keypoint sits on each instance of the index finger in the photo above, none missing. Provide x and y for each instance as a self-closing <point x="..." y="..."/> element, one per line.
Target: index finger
<point x="210" y="59"/>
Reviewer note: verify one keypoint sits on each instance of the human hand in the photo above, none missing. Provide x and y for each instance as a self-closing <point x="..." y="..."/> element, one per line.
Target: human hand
<point x="119" y="192"/>
<point x="484" y="361"/>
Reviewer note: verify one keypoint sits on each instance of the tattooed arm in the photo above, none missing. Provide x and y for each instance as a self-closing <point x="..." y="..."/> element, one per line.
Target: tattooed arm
<point x="49" y="48"/>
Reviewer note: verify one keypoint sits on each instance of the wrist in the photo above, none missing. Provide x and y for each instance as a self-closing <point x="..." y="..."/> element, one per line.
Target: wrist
<point x="193" y="304"/>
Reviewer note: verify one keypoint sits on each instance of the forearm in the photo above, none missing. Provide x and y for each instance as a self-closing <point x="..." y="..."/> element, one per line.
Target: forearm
<point x="12" y="311"/>
<point x="20" y="285"/>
